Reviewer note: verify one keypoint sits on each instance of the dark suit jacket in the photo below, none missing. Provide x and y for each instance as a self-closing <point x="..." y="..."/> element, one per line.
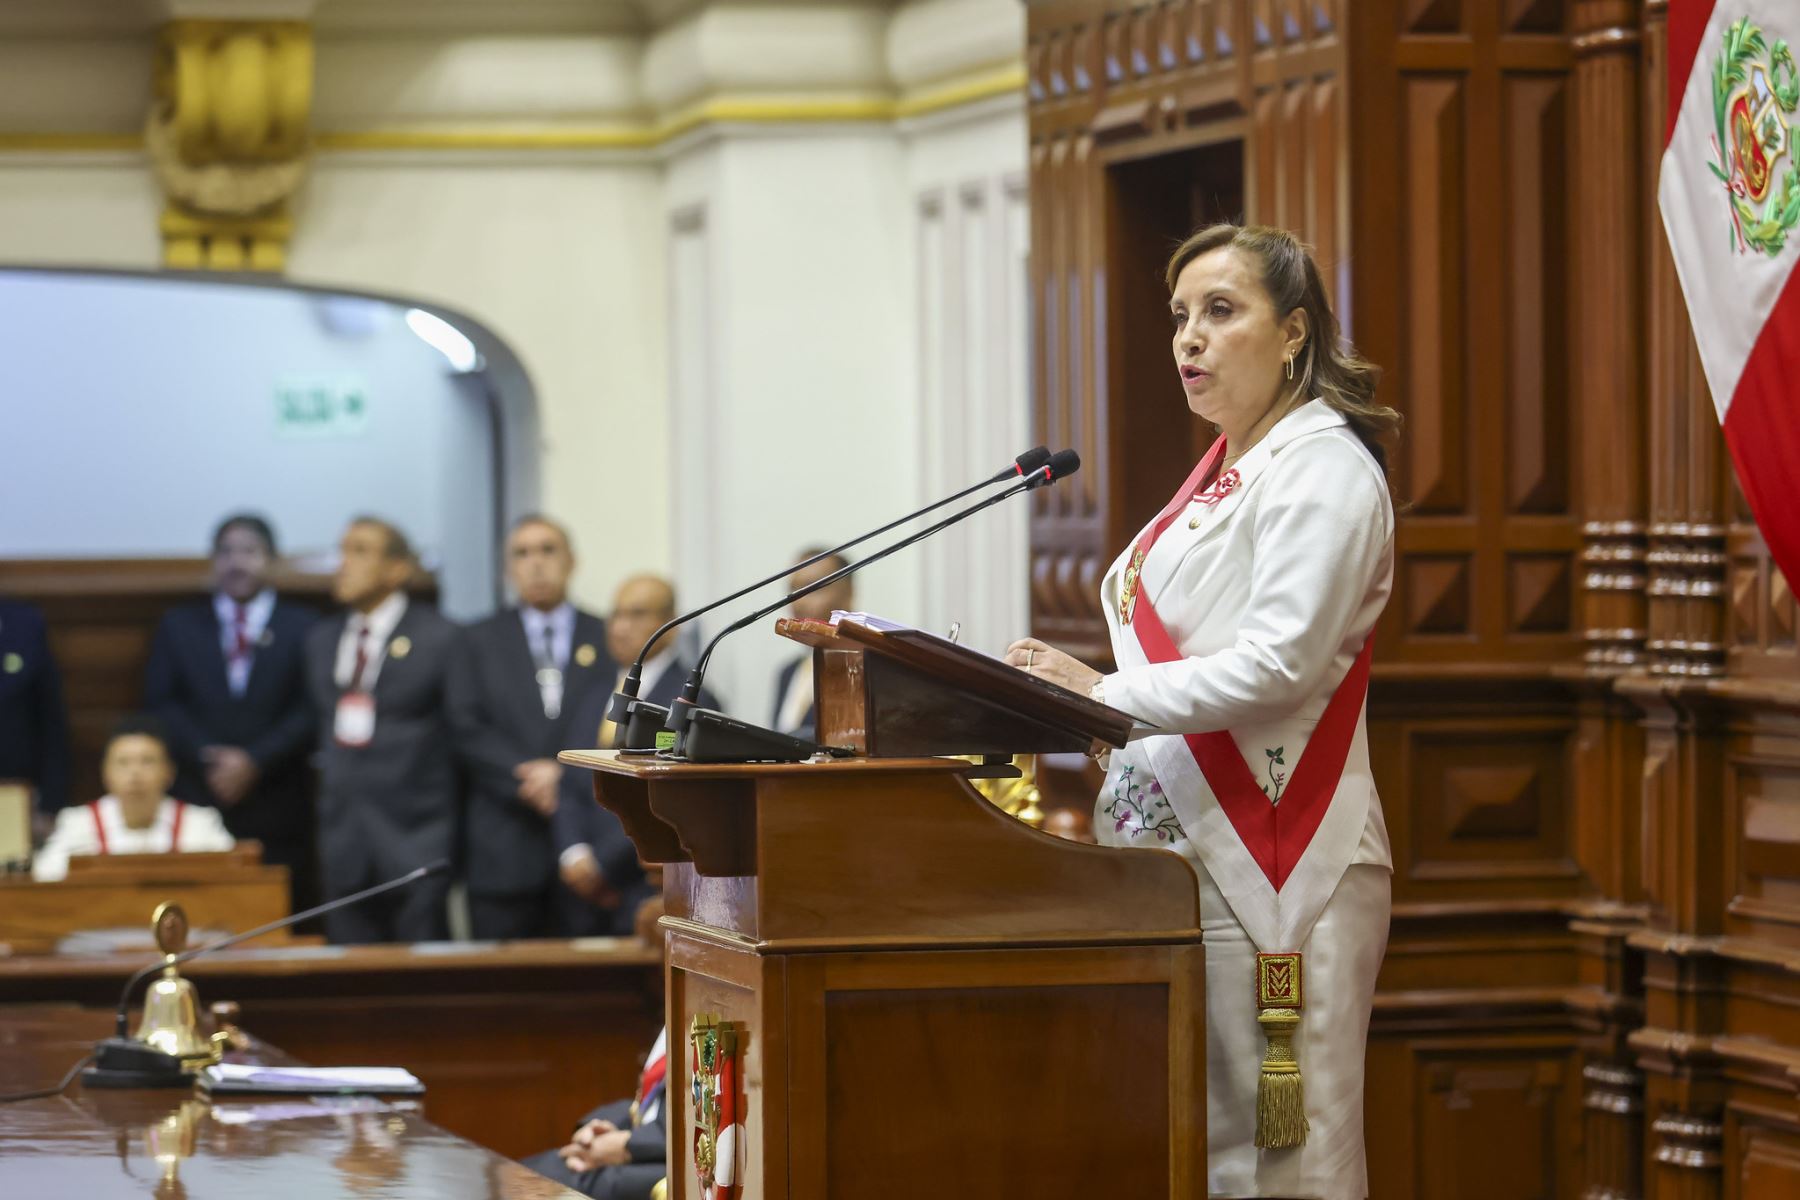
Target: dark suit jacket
<point x="390" y="806"/>
<point x="805" y="728"/>
<point x="187" y="688"/>
<point x="498" y="715"/>
<point x="579" y="817"/>
<point x="34" y="725"/>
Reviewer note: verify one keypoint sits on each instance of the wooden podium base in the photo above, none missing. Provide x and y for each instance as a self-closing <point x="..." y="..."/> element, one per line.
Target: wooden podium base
<point x="927" y="996"/>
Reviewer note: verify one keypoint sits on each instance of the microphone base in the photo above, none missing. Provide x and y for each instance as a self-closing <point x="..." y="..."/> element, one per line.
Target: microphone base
<point x="643" y="729"/>
<point x="129" y="1063"/>
<point x="713" y="737"/>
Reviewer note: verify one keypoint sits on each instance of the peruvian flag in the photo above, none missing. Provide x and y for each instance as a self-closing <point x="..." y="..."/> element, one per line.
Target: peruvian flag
<point x="1730" y="197"/>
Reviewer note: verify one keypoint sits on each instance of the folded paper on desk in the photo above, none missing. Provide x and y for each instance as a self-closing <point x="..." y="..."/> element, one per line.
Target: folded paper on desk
<point x="233" y="1077"/>
<point x="868" y="620"/>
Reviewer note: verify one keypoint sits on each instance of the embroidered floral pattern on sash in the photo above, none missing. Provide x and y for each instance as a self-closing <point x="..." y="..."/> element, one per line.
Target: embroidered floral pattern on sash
<point x="1140" y="812"/>
<point x="1277" y="779"/>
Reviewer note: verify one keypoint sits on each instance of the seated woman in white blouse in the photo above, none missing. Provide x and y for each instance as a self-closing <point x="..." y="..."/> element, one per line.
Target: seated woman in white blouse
<point x="137" y="815"/>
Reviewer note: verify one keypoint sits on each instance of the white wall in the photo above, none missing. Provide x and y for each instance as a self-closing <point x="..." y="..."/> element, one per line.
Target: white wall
<point x="140" y="411"/>
<point x="564" y="261"/>
<point x="969" y="237"/>
<point x="790" y="355"/>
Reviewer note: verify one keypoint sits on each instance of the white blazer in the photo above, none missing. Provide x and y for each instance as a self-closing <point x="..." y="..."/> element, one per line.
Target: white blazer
<point x="1269" y="594"/>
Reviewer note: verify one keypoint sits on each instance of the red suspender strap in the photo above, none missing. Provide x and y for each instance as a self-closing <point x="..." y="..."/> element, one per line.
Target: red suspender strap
<point x="99" y="825"/>
<point x="654" y="1072"/>
<point x="181" y="810"/>
<point x="1275" y="834"/>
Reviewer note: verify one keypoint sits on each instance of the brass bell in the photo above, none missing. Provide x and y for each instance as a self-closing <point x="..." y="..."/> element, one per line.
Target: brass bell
<point x="171" y="1020"/>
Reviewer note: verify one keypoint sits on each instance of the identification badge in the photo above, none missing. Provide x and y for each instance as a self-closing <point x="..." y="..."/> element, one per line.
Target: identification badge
<point x="354" y="725"/>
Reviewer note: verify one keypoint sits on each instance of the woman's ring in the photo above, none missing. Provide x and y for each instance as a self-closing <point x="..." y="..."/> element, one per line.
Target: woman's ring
<point x="1029" y="655"/>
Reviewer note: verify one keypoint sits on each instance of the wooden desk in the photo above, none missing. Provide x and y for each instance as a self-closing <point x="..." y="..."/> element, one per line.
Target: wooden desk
<point x="513" y="1041"/>
<point x="230" y="890"/>
<point x="99" y="1144"/>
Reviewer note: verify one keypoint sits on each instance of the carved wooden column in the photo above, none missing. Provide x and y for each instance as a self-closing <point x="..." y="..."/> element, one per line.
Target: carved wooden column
<point x="1685" y="843"/>
<point x="1609" y="342"/>
<point x="1687" y="463"/>
<point x="1068" y="282"/>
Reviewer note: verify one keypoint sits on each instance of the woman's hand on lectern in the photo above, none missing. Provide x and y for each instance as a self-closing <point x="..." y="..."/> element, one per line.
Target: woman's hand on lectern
<point x="1047" y="662"/>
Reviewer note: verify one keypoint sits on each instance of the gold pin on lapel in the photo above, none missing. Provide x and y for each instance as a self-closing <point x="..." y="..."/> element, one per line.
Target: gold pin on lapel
<point x="585" y="655"/>
<point x="400" y="647"/>
<point x="13" y="664"/>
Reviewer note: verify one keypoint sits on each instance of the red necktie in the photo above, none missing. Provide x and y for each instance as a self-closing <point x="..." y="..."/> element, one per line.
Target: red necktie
<point x="362" y="656"/>
<point x="242" y="631"/>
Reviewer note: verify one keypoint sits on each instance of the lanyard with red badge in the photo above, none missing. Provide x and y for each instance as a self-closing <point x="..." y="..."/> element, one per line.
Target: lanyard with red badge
<point x="353" y="725"/>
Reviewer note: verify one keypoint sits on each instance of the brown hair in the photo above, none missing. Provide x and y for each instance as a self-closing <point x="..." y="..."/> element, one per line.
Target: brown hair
<point x="1331" y="369"/>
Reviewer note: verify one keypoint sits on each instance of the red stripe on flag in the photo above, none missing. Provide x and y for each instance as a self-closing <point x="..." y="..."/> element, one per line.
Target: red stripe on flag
<point x="1762" y="428"/>
<point x="1687" y="25"/>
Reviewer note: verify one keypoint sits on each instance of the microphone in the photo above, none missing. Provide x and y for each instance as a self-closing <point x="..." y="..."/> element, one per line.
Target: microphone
<point x="638" y="721"/>
<point x="121" y="1061"/>
<point x="740" y="741"/>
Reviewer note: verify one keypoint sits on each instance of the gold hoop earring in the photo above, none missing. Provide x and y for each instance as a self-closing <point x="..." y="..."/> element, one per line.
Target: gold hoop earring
<point x="1290" y="366"/>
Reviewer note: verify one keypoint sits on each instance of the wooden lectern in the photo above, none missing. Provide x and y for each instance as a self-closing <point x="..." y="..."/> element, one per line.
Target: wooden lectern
<point x="929" y="997"/>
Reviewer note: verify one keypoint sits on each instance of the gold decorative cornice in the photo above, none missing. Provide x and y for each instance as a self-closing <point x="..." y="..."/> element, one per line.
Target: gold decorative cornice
<point x="941" y="97"/>
<point x="227" y="136"/>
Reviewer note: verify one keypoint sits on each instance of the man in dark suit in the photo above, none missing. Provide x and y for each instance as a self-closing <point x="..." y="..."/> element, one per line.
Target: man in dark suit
<point x="598" y="863"/>
<point x="794" y="685"/>
<point x="618" y="1151"/>
<point x="518" y="676"/>
<point x="227" y="679"/>
<point x="388" y="778"/>
<point x="34" y="725"/>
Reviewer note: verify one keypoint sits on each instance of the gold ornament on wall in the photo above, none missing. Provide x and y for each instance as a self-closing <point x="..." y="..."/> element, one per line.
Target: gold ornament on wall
<point x="227" y="137"/>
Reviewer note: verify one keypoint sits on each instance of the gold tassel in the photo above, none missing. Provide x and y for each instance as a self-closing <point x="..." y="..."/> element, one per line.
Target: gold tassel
<point x="1280" y="1095"/>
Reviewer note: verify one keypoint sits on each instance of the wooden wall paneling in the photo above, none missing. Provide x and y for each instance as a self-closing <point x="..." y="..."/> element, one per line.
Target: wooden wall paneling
<point x="1760" y="876"/>
<point x="1482" y="1117"/>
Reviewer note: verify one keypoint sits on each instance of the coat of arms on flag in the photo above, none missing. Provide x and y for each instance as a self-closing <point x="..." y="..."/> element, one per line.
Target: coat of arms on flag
<point x="717" y="1129"/>
<point x="1755" y="90"/>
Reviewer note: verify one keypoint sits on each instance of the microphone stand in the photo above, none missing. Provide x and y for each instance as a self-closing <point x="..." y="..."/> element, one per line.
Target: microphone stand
<point x="707" y="735"/>
<point x="639" y="722"/>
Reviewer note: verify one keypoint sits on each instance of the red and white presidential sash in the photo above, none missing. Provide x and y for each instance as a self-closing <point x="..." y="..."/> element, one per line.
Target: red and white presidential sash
<point x="1277" y="864"/>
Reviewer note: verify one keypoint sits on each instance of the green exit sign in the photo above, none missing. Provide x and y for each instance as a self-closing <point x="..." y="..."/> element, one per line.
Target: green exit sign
<point x="316" y="406"/>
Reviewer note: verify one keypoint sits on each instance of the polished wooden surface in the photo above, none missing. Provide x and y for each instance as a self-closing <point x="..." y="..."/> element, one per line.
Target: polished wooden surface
<point x="861" y="852"/>
<point x="930" y="993"/>
<point x="1585" y="714"/>
<point x="514" y="1041"/>
<point x="228" y="892"/>
<point x="96" y="1144"/>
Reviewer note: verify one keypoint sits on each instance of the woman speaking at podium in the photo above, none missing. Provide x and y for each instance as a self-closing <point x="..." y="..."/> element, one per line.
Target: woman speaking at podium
<point x="1241" y="621"/>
